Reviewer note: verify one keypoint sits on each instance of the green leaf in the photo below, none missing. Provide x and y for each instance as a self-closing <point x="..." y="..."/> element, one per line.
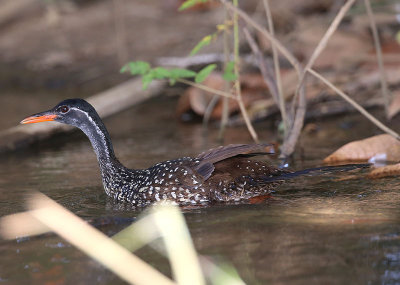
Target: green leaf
<point x="176" y="73"/>
<point x="190" y="3"/>
<point x="136" y="67"/>
<point x="228" y="74"/>
<point x="204" y="42"/>
<point x="160" y="73"/>
<point x="202" y="74"/>
<point x="146" y="80"/>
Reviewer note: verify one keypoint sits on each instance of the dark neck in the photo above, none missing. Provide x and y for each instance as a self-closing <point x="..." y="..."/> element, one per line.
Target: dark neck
<point x="101" y="142"/>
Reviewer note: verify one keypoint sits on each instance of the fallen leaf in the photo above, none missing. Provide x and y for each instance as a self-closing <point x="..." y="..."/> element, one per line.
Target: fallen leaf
<point x="394" y="107"/>
<point x="385" y="171"/>
<point x="254" y="89"/>
<point x="365" y="149"/>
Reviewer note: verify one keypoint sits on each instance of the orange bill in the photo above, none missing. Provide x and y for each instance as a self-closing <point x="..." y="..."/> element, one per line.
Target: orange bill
<point x="38" y="119"/>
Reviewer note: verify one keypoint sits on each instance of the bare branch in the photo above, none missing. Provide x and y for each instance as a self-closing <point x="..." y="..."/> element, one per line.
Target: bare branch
<point x="275" y="57"/>
<point x="355" y="105"/>
<point x="324" y="41"/>
<point x="208" y="89"/>
<point x="384" y="87"/>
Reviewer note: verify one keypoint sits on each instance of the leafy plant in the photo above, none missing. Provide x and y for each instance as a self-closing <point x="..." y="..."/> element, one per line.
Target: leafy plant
<point x="231" y="68"/>
<point x="202" y="74"/>
<point x="173" y="74"/>
<point x="229" y="74"/>
<point x="204" y="42"/>
<point x="209" y="38"/>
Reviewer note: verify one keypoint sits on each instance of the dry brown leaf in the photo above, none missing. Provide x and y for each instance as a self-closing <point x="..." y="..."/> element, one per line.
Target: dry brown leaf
<point x="385" y="171"/>
<point x="365" y="149"/>
<point x="394" y="107"/>
<point x="197" y="100"/>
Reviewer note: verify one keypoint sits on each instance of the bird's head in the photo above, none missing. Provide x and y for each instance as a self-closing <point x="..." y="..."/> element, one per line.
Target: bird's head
<point x="73" y="112"/>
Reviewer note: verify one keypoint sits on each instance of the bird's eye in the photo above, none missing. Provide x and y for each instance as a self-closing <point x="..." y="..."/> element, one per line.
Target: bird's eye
<point x="64" y="109"/>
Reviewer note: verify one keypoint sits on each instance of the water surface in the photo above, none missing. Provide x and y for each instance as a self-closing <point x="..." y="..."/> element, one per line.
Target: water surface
<point x="313" y="230"/>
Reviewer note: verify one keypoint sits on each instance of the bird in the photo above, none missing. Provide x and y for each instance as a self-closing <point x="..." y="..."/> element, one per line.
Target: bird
<point x="223" y="174"/>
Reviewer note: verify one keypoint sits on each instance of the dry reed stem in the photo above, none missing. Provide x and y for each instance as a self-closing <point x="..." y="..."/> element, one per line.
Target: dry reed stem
<point x="120" y="31"/>
<point x="147" y="234"/>
<point x="324" y="41"/>
<point x="265" y="70"/>
<point x="293" y="135"/>
<point x="45" y="215"/>
<point x="237" y="75"/>
<point x="285" y="52"/>
<point x="275" y="56"/>
<point x="208" y="89"/>
<point x="210" y="107"/>
<point x="320" y="47"/>
<point x="222" y="276"/>
<point x="227" y="85"/>
<point x="291" y="138"/>
<point x="294" y="132"/>
<point x="355" y="105"/>
<point x="138" y="234"/>
<point x="244" y="113"/>
<point x="384" y="87"/>
<point x="88" y="239"/>
<point x="21" y="224"/>
<point x="171" y="226"/>
<point x="181" y="253"/>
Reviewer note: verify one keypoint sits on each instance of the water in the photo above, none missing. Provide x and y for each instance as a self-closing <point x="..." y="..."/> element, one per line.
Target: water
<point x="313" y="230"/>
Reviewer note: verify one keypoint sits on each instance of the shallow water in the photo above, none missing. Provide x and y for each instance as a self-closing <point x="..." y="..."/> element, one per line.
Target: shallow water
<point x="313" y="230"/>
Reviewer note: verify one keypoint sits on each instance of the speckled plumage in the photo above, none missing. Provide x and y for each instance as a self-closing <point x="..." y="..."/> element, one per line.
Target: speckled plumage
<point x="184" y="182"/>
<point x="222" y="174"/>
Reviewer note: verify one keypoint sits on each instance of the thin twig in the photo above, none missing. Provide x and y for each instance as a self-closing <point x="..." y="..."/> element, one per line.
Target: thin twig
<point x="197" y="59"/>
<point x="285" y="52"/>
<point x="120" y="31"/>
<point x="200" y="59"/>
<point x="323" y="43"/>
<point x="266" y="72"/>
<point x="237" y="74"/>
<point x="277" y="68"/>
<point x="384" y="87"/>
<point x="209" y="109"/>
<point x="227" y="85"/>
<point x="206" y="88"/>
<point x="295" y="130"/>
<point x="291" y="139"/>
<point x="355" y="105"/>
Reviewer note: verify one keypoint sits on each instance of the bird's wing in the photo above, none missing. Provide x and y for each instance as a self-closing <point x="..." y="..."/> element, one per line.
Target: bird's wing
<point x="207" y="159"/>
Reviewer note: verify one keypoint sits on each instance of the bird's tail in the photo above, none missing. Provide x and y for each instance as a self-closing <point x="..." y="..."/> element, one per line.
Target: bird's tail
<point x="319" y="171"/>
